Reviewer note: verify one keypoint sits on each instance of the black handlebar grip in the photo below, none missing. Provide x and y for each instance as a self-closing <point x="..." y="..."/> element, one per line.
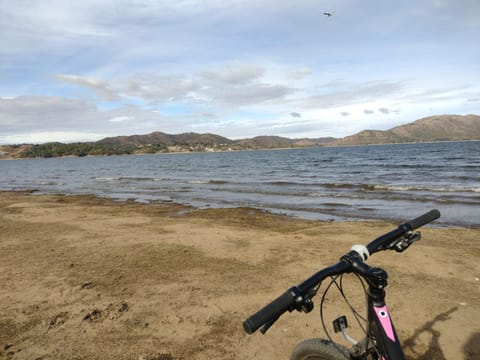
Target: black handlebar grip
<point x="423" y="219"/>
<point x="272" y="311"/>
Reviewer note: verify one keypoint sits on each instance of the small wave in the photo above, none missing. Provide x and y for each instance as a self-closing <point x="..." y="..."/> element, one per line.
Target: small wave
<point x="368" y="187"/>
<point x="340" y="186"/>
<point x="51" y="183"/>
<point x="330" y="204"/>
<point x="284" y="183"/>
<point x="198" y="182"/>
<point x="457" y="201"/>
<point x="340" y="195"/>
<point x="105" y="179"/>
<point x="419" y="188"/>
<point x="135" y="178"/>
<point x="218" y="182"/>
<point x="398" y="188"/>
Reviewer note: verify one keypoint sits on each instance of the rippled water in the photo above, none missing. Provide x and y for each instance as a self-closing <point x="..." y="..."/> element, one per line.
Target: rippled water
<point x="372" y="182"/>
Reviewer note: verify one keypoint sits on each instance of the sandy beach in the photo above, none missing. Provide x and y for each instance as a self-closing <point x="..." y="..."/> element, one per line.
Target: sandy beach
<point x="89" y="278"/>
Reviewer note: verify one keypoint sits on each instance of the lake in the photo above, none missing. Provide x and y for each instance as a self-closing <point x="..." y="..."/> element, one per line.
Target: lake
<point x="388" y="182"/>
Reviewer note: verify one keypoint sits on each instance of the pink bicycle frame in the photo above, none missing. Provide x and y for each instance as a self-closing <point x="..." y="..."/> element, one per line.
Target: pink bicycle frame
<point x="380" y="327"/>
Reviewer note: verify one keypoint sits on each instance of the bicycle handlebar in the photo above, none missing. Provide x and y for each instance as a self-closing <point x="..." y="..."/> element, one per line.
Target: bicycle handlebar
<point x="382" y="242"/>
<point x="272" y="311"/>
<point x="423" y="219"/>
<point x="286" y="302"/>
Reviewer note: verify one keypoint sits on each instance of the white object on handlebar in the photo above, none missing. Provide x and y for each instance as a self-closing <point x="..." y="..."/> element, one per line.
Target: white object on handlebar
<point x="361" y="250"/>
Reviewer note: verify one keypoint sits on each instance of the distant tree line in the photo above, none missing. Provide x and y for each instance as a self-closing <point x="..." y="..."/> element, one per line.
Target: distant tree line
<point x="56" y="149"/>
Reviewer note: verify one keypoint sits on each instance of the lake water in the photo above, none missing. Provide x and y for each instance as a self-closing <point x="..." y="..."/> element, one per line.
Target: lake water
<point x="394" y="182"/>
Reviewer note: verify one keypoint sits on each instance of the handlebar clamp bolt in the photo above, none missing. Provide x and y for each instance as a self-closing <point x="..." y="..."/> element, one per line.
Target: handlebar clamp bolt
<point x="379" y="277"/>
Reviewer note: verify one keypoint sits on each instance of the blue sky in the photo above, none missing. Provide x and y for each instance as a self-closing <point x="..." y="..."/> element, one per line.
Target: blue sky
<point x="83" y="70"/>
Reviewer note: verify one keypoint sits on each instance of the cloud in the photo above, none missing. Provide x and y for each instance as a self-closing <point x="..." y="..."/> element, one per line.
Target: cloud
<point x="60" y="19"/>
<point x="300" y="73"/>
<point x="295" y="115"/>
<point x="348" y="94"/>
<point x="120" y="119"/>
<point x="209" y="115"/>
<point x="47" y="112"/>
<point x="158" y="88"/>
<point x="437" y="95"/>
<point x="28" y="115"/>
<point x="234" y="73"/>
<point x="101" y="88"/>
<point x="234" y="84"/>
<point x="239" y="84"/>
<point x="368" y="112"/>
<point x="151" y="87"/>
<point x="253" y="94"/>
<point x="39" y="137"/>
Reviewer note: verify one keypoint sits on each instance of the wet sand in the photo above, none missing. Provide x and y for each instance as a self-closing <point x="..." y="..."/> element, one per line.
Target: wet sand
<point x="89" y="278"/>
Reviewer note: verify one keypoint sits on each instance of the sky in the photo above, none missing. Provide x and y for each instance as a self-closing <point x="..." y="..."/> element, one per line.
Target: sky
<point x="84" y="70"/>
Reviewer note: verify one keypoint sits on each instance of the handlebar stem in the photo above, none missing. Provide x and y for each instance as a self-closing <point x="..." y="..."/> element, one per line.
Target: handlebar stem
<point x="376" y="277"/>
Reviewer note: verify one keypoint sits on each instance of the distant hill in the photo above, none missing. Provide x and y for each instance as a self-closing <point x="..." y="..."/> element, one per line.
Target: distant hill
<point x="271" y="142"/>
<point x="167" y="139"/>
<point x="156" y="142"/>
<point x="432" y="128"/>
<point x="212" y="140"/>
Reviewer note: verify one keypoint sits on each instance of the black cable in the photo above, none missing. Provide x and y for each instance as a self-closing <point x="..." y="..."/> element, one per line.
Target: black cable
<point x="355" y="313"/>
<point x="322" y="320"/>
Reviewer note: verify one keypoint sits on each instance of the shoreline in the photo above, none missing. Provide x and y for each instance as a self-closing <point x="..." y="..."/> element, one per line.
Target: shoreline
<point x="240" y="150"/>
<point x="92" y="278"/>
<point x="325" y="217"/>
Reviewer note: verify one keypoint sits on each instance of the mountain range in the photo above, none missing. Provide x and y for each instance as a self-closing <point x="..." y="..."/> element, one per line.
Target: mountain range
<point x="212" y="140"/>
<point x="429" y="129"/>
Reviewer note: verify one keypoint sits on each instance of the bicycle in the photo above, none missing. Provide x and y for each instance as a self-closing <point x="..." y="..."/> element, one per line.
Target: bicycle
<point x="381" y="340"/>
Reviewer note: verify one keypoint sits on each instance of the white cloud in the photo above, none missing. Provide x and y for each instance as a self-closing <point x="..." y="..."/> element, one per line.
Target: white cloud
<point x="235" y="73"/>
<point x="231" y="85"/>
<point x="50" y="136"/>
<point x="28" y="112"/>
<point x="346" y="94"/>
<point x="121" y="119"/>
<point x="101" y="88"/>
<point x="300" y="73"/>
<point x="40" y="115"/>
<point x="25" y="25"/>
<point x="252" y="94"/>
<point x="158" y="88"/>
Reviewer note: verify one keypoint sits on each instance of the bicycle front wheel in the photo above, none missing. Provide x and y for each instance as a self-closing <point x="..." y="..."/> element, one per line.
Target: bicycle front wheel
<point x="319" y="349"/>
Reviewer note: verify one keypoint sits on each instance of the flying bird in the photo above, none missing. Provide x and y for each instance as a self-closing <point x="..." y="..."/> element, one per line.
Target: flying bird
<point x="328" y="13"/>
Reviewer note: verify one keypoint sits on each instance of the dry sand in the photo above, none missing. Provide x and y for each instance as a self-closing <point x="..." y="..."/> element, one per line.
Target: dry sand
<point x="86" y="278"/>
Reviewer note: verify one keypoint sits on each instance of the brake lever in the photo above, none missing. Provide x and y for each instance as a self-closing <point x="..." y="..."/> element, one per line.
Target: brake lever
<point x="302" y="304"/>
<point x="403" y="243"/>
<point x="268" y="324"/>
